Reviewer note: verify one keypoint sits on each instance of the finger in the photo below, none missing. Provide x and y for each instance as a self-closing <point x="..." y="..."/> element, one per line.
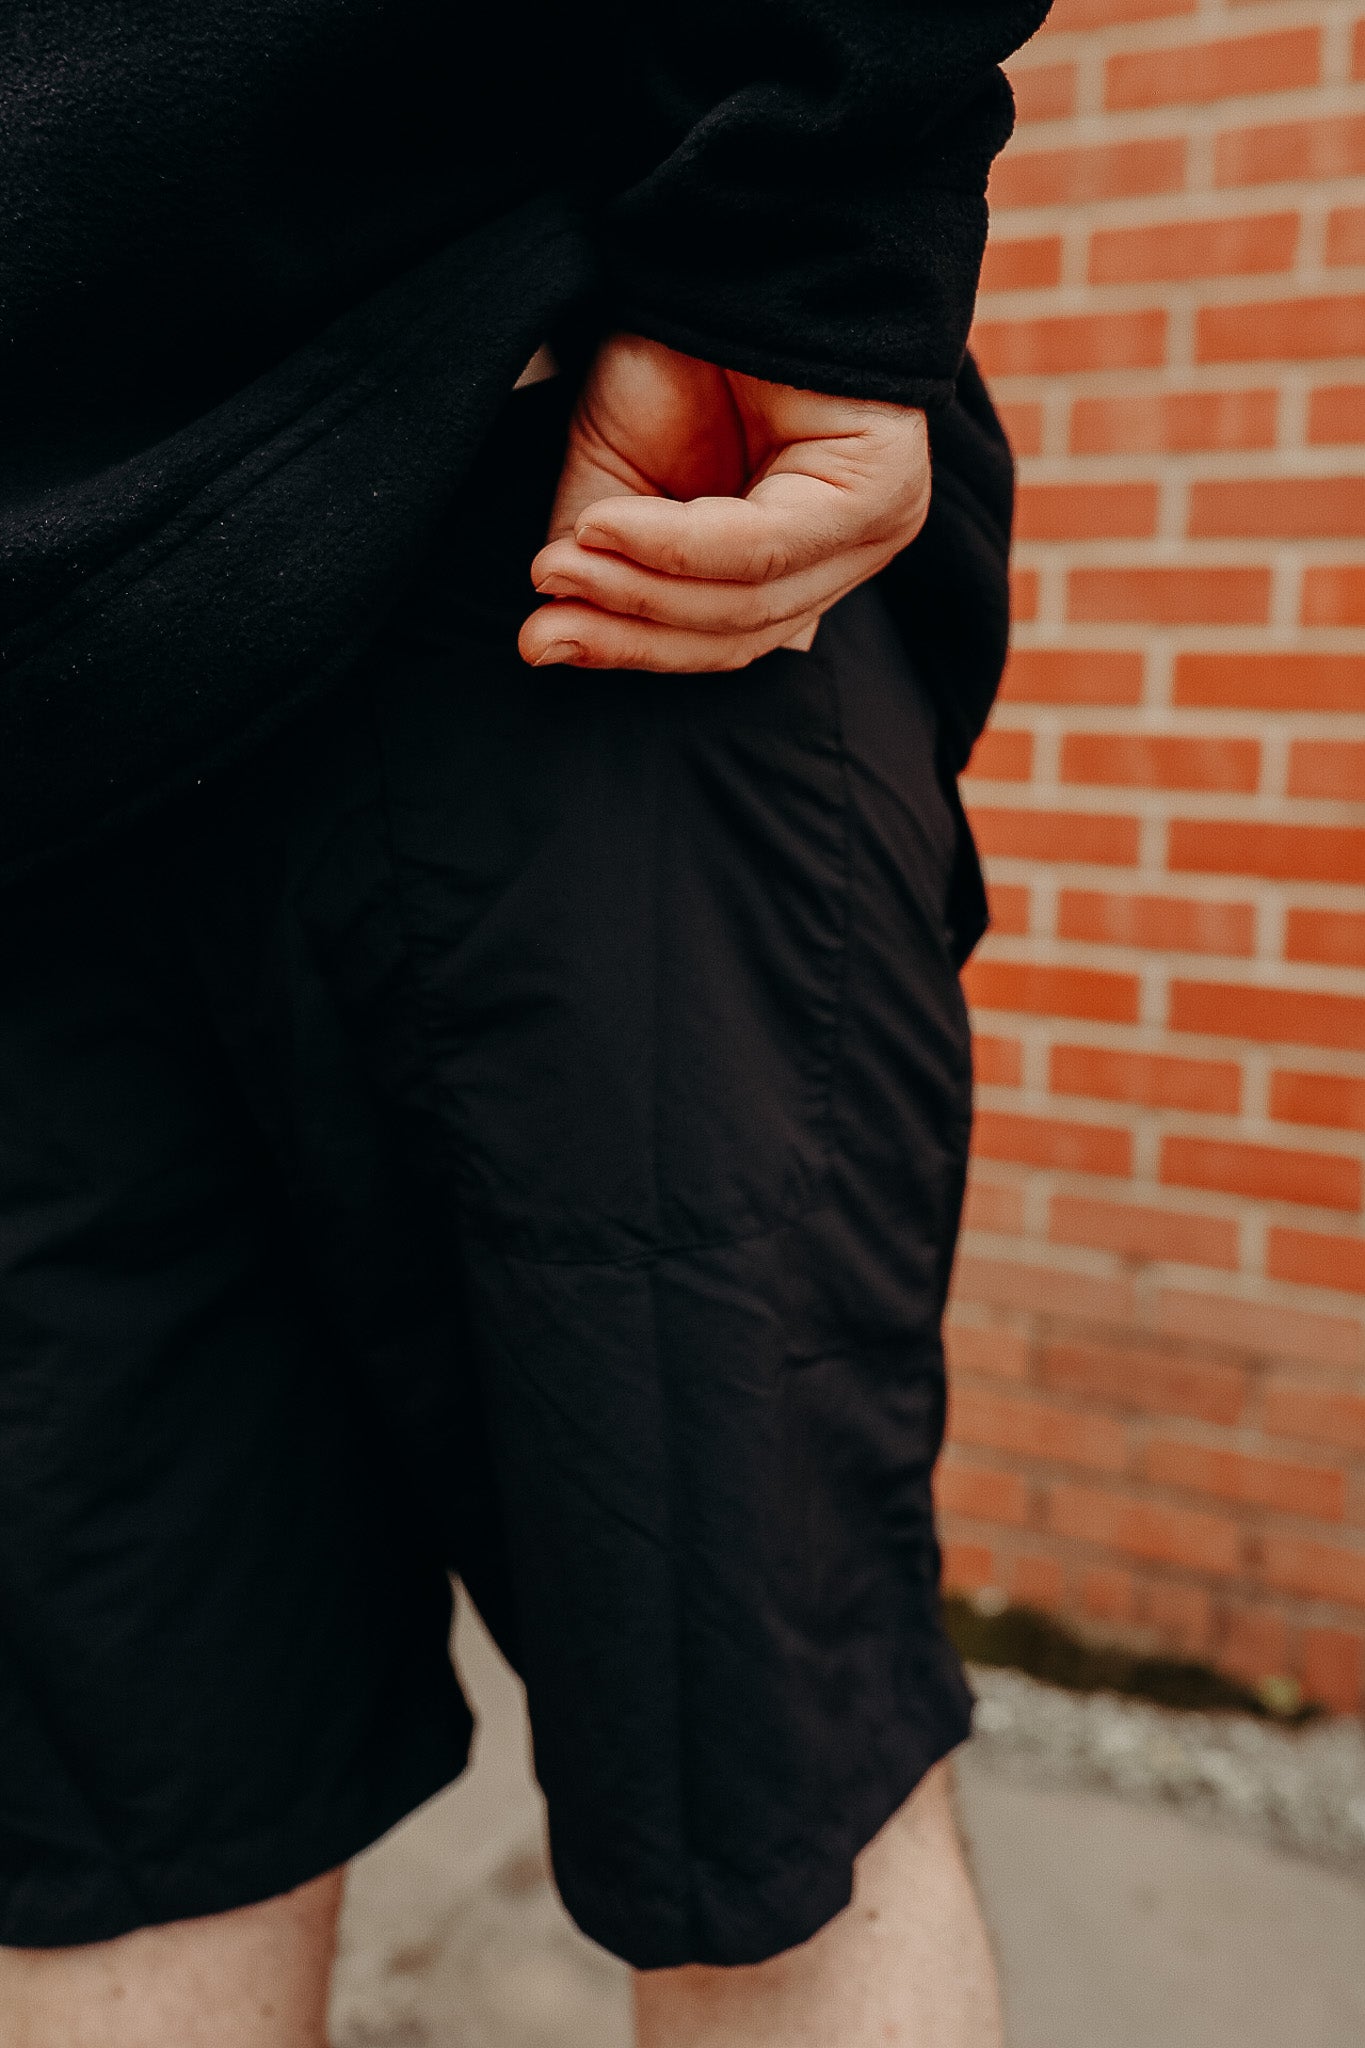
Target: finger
<point x="614" y="584"/>
<point x="815" y="500"/>
<point x="592" y="474"/>
<point x="579" y="637"/>
<point x="786" y="524"/>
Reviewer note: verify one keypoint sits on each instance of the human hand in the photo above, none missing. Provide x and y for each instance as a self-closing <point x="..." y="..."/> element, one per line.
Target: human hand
<point x="704" y="518"/>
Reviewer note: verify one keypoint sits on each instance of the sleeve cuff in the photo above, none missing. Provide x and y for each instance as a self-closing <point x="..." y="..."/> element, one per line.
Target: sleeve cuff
<point x="806" y="373"/>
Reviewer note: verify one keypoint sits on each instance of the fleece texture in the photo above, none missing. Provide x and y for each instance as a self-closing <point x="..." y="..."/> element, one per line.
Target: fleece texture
<point x="268" y="268"/>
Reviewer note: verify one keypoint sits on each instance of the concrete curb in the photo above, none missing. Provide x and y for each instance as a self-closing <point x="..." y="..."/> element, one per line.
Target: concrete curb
<point x="1301" y="1789"/>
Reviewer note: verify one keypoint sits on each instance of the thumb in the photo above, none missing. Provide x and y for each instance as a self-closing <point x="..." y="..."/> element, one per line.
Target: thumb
<point x="591" y="473"/>
<point x="649" y="423"/>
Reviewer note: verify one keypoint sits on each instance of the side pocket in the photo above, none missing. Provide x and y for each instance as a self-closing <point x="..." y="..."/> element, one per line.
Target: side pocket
<point x="626" y="898"/>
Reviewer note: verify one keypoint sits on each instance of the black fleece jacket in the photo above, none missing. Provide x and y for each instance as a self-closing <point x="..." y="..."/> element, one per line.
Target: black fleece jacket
<point x="268" y="269"/>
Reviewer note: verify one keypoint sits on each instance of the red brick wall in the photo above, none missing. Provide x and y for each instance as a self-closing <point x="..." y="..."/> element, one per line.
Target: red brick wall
<point x="1159" y="1361"/>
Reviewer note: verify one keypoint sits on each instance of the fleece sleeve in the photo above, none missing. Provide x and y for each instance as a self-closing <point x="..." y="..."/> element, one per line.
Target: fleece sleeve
<point x="801" y="183"/>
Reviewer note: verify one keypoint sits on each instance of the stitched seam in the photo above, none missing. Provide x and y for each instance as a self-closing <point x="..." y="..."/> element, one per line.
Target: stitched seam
<point x="839" y="1028"/>
<point x="666" y="1420"/>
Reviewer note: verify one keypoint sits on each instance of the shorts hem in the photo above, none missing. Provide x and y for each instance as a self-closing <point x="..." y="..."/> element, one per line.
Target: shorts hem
<point x="730" y="1924"/>
<point x="74" y="1907"/>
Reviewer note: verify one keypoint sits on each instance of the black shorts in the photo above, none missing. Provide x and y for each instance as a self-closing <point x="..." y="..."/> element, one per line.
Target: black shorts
<point x="515" y="1128"/>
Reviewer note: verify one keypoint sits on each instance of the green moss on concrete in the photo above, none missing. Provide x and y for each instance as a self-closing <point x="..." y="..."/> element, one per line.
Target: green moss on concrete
<point x="1024" y="1640"/>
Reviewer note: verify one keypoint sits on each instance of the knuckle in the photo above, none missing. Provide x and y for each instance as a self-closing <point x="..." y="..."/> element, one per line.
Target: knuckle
<point x="770" y="561"/>
<point x="749" y="611"/>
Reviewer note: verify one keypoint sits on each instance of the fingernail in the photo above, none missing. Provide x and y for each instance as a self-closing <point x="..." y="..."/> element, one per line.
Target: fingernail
<point x="555" y="586"/>
<point x="559" y="650"/>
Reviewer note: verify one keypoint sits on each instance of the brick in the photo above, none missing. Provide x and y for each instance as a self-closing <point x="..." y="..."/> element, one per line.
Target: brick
<point x="1041" y="1290"/>
<point x="1228" y="69"/>
<point x="1057" y="675"/>
<point x="968" y="1567"/>
<point x="1163" y="924"/>
<point x="994" y="1206"/>
<point x="1328" y="768"/>
<point x="1043" y="92"/>
<point x="1009" y="903"/>
<point x="1046" y="1141"/>
<point x="1253" y="1642"/>
<point x="1091" y="837"/>
<point x="1161" y="760"/>
<point x="1181" y="1614"/>
<point x="1336" y="412"/>
<point x="1107" y="1592"/>
<point x="1178" y="422"/>
<point x="1316" y="1415"/>
<point x="1334" y="594"/>
<point x="1003" y="754"/>
<point x="1150" y="1382"/>
<point x="999" y="1062"/>
<point x="1277" y="508"/>
<point x="1085" y="173"/>
<point x="1157" y="1080"/>
<point x="1296" y="853"/>
<point x="1267" y="1173"/>
<point x="1169" y="251"/>
<point x="1334" y="937"/>
<point x="1335" y="1101"/>
<point x="1051" y="345"/>
<point x="1204" y="597"/>
<point x="981" y="1494"/>
<point x="1022" y="419"/>
<point x="1023" y="595"/>
<point x="1073" y="14"/>
<point x="1287" y="1487"/>
<point x="989" y="1349"/>
<point x="1346" y="236"/>
<point x="1038" y="1581"/>
<point x="1075" y="511"/>
<point x="1090" y="992"/>
<point x="1271" y="682"/>
<point x="1311" y="1258"/>
<point x="1149" y="1530"/>
<point x="1291" y="152"/>
<point x="1334" y="1669"/>
<point x="1289" y="330"/>
<point x="1316" y="1571"/>
<point x="1172" y="1235"/>
<point x="1021" y="263"/>
<point x="1028" y="1426"/>
<point x="1260" y="1328"/>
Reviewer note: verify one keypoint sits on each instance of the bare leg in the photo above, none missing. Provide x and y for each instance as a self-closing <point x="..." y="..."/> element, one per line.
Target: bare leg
<point x="907" y="1963"/>
<point x="256" y="1978"/>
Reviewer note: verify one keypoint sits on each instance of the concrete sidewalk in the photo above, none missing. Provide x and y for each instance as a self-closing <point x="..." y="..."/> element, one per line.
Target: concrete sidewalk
<point x="1118" y="1926"/>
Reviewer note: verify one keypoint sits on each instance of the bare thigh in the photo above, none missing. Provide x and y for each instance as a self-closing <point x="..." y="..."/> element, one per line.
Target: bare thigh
<point x="907" y="1962"/>
<point x="254" y="1978"/>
